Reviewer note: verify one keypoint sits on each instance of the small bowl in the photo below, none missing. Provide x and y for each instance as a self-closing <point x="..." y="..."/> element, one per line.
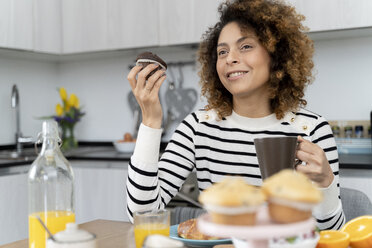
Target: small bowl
<point x="124" y="147"/>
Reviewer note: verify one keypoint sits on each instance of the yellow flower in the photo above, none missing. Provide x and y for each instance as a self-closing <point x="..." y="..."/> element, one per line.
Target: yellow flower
<point x="59" y="109"/>
<point x="73" y="101"/>
<point x="77" y="103"/>
<point x="63" y="93"/>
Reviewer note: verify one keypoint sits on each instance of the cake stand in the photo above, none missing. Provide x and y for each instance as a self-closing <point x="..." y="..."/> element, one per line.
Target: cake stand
<point x="256" y="236"/>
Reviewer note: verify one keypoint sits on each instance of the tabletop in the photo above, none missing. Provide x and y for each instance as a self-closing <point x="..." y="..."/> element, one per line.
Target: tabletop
<point x="110" y="234"/>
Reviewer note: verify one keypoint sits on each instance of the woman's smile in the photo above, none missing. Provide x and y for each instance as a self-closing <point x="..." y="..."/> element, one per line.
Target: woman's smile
<point x="235" y="75"/>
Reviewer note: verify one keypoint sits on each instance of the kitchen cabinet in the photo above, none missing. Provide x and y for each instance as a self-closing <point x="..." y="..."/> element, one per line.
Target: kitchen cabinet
<point x="47" y="29"/>
<point x="71" y="27"/>
<point x="335" y="14"/>
<point x="184" y="22"/>
<point x="95" y="25"/>
<point x="13" y="207"/>
<point x="100" y="191"/>
<point x="16" y="24"/>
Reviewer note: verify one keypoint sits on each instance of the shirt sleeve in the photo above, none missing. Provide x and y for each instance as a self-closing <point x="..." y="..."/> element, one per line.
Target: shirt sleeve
<point x="151" y="182"/>
<point x="329" y="213"/>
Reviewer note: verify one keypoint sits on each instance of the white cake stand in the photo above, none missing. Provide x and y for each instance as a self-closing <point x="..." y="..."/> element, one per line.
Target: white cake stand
<point x="256" y="236"/>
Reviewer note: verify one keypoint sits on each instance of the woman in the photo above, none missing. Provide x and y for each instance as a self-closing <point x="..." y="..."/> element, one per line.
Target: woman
<point x="255" y="64"/>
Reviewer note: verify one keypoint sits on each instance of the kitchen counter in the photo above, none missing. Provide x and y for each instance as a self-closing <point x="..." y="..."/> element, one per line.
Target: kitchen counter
<point x="355" y="161"/>
<point x="108" y="153"/>
<point x="110" y="234"/>
<point x="105" y="153"/>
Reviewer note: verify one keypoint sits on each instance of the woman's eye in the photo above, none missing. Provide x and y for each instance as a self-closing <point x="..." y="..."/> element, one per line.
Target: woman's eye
<point x="221" y="52"/>
<point x="245" y="47"/>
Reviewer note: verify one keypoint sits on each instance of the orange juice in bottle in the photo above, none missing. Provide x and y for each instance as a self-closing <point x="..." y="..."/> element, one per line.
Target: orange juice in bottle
<point x="55" y="221"/>
<point x="50" y="188"/>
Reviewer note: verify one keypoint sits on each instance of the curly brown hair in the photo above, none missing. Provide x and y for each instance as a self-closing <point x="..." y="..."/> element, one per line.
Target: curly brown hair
<point x="279" y="29"/>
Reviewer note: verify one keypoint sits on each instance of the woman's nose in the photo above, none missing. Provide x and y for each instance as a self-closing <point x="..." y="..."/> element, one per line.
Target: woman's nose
<point x="232" y="57"/>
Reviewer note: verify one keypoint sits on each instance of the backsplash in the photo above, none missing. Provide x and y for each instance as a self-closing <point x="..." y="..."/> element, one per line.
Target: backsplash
<point x="100" y="83"/>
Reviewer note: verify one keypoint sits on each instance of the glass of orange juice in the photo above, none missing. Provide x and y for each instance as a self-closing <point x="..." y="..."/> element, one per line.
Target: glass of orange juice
<point x="150" y="222"/>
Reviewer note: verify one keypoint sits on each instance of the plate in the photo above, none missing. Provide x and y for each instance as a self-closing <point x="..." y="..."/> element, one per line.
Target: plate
<point x="196" y="243"/>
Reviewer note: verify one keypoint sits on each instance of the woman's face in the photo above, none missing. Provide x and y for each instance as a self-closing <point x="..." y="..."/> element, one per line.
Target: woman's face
<point x="243" y="64"/>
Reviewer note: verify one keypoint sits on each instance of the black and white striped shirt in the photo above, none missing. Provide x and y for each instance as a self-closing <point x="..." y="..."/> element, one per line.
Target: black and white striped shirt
<point x="219" y="148"/>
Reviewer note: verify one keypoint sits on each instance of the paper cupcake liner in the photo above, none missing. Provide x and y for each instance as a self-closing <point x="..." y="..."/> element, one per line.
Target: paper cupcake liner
<point x="150" y="61"/>
<point x="298" y="205"/>
<point x="231" y="210"/>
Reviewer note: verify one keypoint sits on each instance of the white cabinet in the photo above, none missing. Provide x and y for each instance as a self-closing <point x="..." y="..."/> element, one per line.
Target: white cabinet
<point x="16" y="24"/>
<point x="335" y="14"/>
<point x="183" y="22"/>
<point x="13" y="207"/>
<point x="95" y="25"/>
<point x="47" y="29"/>
<point x="132" y="24"/>
<point x="70" y="26"/>
<point x="100" y="191"/>
<point x="84" y="25"/>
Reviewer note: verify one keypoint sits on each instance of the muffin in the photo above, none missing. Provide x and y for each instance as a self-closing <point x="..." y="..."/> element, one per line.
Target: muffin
<point x="291" y="196"/>
<point x="147" y="58"/>
<point x="232" y="201"/>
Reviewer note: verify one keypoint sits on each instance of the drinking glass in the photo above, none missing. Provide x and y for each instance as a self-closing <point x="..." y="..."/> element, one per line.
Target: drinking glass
<point x="150" y="222"/>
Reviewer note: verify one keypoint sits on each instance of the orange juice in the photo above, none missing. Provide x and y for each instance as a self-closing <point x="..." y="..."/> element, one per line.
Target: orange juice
<point x="55" y="221"/>
<point x="142" y="230"/>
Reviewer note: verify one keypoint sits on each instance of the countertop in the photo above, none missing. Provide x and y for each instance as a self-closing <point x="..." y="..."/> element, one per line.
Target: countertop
<point x="109" y="234"/>
<point x="108" y="153"/>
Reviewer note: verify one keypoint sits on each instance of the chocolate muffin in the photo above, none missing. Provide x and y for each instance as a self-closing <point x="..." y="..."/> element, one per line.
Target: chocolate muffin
<point x="147" y="58"/>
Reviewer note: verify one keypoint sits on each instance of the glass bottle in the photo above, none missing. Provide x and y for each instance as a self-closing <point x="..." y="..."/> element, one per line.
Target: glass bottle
<point x="50" y="188"/>
<point x="348" y="131"/>
<point x="359" y="131"/>
<point x="336" y="131"/>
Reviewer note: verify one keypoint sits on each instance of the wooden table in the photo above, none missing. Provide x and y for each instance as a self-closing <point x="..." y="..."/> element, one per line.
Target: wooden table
<point x="110" y="234"/>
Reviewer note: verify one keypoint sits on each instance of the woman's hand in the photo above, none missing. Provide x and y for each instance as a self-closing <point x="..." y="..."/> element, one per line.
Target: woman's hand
<point x="317" y="167"/>
<point x="147" y="93"/>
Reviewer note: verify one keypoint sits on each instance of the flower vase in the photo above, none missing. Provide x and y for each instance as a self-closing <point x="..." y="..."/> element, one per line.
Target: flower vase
<point x="68" y="138"/>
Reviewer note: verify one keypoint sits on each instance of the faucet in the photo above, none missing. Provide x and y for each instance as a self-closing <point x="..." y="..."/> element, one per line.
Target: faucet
<point x="20" y="140"/>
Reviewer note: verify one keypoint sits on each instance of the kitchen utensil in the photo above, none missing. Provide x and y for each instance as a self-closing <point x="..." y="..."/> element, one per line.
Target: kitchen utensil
<point x="275" y="154"/>
<point x="179" y="101"/>
<point x="136" y="110"/>
<point x="45" y="227"/>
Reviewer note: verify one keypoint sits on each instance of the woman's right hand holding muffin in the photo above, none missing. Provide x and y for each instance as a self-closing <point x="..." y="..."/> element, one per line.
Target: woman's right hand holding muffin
<point x="147" y="93"/>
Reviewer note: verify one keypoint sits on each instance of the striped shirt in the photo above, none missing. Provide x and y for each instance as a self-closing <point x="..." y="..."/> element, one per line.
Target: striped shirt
<point x="216" y="149"/>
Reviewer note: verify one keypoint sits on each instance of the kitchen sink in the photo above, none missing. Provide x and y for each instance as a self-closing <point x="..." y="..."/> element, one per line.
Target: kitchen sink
<point x="27" y="154"/>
